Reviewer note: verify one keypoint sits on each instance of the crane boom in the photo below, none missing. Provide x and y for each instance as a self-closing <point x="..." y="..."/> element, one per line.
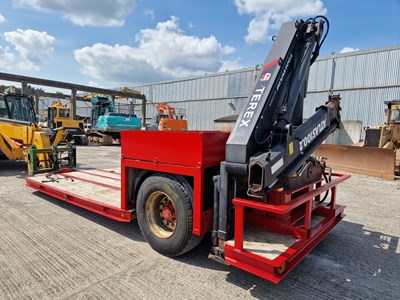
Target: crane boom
<point x="270" y="138"/>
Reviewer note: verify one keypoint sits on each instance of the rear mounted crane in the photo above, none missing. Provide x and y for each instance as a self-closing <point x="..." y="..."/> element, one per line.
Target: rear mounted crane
<point x="258" y="190"/>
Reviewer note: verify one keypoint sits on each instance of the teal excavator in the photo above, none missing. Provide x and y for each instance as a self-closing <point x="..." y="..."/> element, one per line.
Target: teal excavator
<point x="106" y="123"/>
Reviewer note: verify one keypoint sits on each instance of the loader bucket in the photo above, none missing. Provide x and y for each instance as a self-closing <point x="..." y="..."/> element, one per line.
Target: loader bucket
<point x="371" y="161"/>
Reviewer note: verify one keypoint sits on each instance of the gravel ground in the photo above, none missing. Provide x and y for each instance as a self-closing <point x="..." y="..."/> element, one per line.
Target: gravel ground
<point x="53" y="250"/>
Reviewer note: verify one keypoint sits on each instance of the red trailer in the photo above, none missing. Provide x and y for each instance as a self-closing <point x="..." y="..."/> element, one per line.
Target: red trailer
<point x="269" y="240"/>
<point x="265" y="199"/>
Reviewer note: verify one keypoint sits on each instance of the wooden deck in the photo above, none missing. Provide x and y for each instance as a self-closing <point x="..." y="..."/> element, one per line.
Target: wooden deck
<point x="269" y="244"/>
<point x="265" y="243"/>
<point x="103" y="186"/>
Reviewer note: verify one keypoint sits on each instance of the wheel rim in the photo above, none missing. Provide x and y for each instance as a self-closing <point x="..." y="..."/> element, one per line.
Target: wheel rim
<point x="161" y="215"/>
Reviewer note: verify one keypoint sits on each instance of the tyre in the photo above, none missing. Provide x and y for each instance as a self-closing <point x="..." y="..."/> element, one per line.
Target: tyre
<point x="165" y="214"/>
<point x="83" y="140"/>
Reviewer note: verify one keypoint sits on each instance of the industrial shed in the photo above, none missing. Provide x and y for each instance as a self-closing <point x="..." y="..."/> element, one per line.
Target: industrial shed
<point x="365" y="79"/>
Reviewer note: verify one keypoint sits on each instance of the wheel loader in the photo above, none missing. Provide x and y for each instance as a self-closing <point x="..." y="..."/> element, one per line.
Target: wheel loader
<point x="378" y="155"/>
<point x="21" y="138"/>
<point x="387" y="136"/>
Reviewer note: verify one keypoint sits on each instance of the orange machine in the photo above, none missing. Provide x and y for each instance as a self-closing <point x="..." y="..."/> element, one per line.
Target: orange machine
<point x="169" y="119"/>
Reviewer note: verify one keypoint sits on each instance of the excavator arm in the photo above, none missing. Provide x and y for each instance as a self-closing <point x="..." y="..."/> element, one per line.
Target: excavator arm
<point x="165" y="109"/>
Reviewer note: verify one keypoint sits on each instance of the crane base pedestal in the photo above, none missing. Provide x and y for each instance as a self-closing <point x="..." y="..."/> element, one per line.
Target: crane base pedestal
<point x="271" y="239"/>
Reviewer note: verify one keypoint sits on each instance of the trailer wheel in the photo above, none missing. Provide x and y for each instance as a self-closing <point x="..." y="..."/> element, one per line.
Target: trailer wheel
<point x="165" y="214"/>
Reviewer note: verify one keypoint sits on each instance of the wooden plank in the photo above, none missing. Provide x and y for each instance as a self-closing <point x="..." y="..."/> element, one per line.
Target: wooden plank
<point x="111" y="173"/>
<point x="93" y="191"/>
<point x="265" y="243"/>
<point x="269" y="244"/>
<point x="92" y="177"/>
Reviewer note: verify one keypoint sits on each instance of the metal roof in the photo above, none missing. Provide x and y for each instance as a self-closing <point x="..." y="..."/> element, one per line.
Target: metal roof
<point x="365" y="79"/>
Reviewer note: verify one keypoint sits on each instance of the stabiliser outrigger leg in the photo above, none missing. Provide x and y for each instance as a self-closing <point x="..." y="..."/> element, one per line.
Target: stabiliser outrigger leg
<point x="269" y="199"/>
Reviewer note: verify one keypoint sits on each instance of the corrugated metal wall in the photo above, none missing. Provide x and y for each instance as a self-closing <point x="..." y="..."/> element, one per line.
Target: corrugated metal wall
<point x="203" y="98"/>
<point x="363" y="78"/>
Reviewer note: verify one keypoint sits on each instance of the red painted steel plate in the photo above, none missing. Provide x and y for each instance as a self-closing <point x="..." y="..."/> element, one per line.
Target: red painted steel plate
<point x="189" y="148"/>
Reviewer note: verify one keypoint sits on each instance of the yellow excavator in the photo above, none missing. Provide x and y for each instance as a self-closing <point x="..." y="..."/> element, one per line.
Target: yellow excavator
<point x="21" y="138"/>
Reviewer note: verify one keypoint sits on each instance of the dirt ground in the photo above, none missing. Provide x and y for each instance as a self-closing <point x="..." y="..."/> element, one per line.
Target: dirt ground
<point x="53" y="250"/>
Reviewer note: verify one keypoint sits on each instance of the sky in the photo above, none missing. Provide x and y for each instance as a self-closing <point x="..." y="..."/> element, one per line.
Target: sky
<point x="116" y="43"/>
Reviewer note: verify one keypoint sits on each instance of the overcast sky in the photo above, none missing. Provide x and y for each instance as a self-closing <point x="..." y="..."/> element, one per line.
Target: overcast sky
<point x="111" y="43"/>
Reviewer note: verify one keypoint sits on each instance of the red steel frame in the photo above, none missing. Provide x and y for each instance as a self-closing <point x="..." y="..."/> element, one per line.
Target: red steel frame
<point x="184" y="153"/>
<point x="274" y="270"/>
<point x="103" y="209"/>
<point x="189" y="154"/>
<point x="202" y="220"/>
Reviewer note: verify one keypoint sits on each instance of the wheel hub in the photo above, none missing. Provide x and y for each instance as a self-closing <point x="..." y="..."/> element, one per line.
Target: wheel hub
<point x="167" y="213"/>
<point x="160" y="212"/>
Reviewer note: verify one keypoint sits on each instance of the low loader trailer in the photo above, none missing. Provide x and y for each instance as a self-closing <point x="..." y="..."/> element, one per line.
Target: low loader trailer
<point x="266" y="201"/>
<point x="171" y="194"/>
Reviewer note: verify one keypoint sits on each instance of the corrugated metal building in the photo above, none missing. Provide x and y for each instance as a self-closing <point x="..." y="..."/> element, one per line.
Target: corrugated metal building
<point x="363" y="78"/>
<point x="203" y="98"/>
